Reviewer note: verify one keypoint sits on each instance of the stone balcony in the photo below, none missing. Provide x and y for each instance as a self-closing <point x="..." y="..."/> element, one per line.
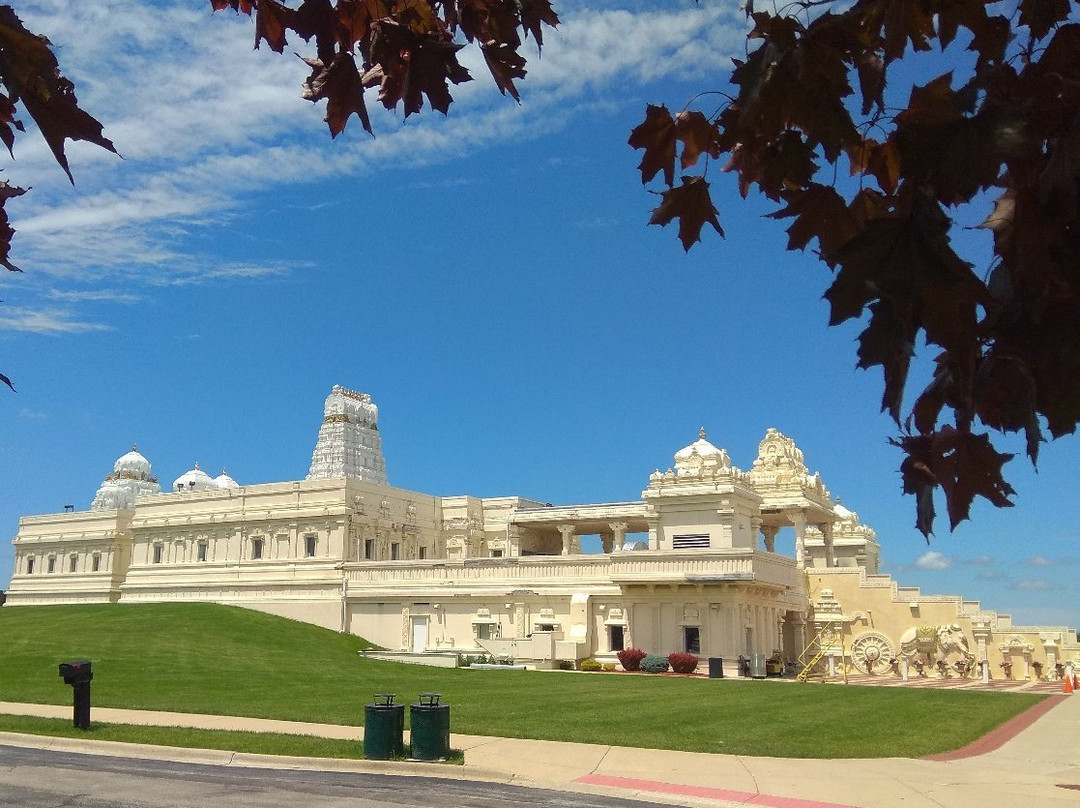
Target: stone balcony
<point x="570" y="573"/>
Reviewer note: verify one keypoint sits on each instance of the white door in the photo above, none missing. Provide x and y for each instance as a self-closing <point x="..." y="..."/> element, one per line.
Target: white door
<point x="419" y="634"/>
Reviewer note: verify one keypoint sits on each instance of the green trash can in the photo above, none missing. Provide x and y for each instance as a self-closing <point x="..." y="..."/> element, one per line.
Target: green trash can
<point x="384" y="727"/>
<point x="430" y="728"/>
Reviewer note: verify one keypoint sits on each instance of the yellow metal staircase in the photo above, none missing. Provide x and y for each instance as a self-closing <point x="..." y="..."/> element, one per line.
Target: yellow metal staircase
<point x="818" y="647"/>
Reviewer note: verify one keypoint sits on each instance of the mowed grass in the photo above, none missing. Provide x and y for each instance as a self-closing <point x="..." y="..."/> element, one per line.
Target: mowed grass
<point x="204" y="658"/>
<point x="256" y="743"/>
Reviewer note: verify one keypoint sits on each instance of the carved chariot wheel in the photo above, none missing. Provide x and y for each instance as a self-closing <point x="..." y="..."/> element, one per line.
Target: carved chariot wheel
<point x="871" y="652"/>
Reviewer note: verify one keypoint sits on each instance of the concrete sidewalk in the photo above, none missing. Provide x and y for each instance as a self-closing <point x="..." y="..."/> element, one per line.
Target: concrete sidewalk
<point x="1039" y="764"/>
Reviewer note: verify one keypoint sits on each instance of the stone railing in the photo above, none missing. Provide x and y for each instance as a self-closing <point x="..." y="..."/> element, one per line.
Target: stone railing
<point x="614" y="569"/>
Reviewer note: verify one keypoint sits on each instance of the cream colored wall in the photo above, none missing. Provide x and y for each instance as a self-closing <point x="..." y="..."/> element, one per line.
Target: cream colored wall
<point x="82" y="534"/>
<point x="881" y="606"/>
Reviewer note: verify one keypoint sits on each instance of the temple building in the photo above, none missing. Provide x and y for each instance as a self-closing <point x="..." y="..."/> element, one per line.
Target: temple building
<point x="692" y="565"/>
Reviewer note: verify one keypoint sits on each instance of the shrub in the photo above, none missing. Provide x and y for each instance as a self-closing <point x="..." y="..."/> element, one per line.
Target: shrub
<point x="589" y="665"/>
<point x="630" y="658"/>
<point x="566" y="665"/>
<point x="654" y="664"/>
<point x="682" y="663"/>
<point x="609" y="666"/>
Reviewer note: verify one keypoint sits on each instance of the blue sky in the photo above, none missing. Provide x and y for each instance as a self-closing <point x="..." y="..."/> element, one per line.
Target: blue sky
<point x="488" y="277"/>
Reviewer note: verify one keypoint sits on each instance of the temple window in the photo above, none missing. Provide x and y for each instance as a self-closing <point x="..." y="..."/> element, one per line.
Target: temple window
<point x="159" y="551"/>
<point x="616" y="638"/>
<point x="95" y="562"/>
<point x="30" y="566"/>
<point x="201" y="554"/>
<point x="256" y="549"/>
<point x="369" y="549"/>
<point x="423" y="553"/>
<point x="73" y="562"/>
<point x="395" y="550"/>
<point x="52" y="564"/>
<point x="496" y="553"/>
<point x="309" y="546"/>
<point x="483" y="631"/>
<point x="696" y="541"/>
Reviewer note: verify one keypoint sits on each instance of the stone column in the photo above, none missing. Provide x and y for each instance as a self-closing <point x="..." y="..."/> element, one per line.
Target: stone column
<point x="1051" y="649"/>
<point x="798" y="518"/>
<point x="654" y="535"/>
<point x="619" y="530"/>
<point x="513" y="541"/>
<point x="567" y="532"/>
<point x="980" y="630"/>
<point x="606" y="541"/>
<point x="769" y="532"/>
<point x="826" y="533"/>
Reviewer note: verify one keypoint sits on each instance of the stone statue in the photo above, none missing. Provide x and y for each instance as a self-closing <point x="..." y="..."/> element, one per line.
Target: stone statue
<point x="930" y="641"/>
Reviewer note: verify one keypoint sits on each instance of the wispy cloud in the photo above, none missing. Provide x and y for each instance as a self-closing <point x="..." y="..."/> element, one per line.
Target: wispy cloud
<point x="933" y="560"/>
<point x="1035" y="584"/>
<point x="32" y="415"/>
<point x="103" y="295"/>
<point x="45" y="321"/>
<point x="1038" y="561"/>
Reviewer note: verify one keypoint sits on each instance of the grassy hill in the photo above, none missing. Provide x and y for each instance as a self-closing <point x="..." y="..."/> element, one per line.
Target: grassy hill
<point x="204" y="658"/>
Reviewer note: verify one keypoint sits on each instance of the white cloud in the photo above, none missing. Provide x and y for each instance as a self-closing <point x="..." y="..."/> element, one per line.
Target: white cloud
<point x="1034" y="584"/>
<point x="104" y="295"/>
<point x="933" y="560"/>
<point x="1038" y="561"/>
<point x="32" y="415"/>
<point x="202" y="120"/>
<point x="45" y="321"/>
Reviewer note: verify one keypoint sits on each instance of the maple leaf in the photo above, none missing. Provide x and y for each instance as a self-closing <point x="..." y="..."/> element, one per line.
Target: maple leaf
<point x="339" y="83"/>
<point x="31" y="74"/>
<point x="505" y="64"/>
<point x="239" y="6"/>
<point x="821" y="213"/>
<point x="692" y="205"/>
<point x="697" y="134"/>
<point x="7" y="122"/>
<point x="356" y="18"/>
<point x="963" y="465"/>
<point x="6" y="230"/>
<point x="7" y="381"/>
<point x="534" y="15"/>
<point x="656" y="135"/>
<point x="1042" y="15"/>
<point x="272" y="19"/>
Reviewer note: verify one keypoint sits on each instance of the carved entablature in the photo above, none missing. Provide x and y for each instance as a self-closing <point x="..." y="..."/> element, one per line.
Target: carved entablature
<point x="691" y="614"/>
<point x="1016" y="645"/>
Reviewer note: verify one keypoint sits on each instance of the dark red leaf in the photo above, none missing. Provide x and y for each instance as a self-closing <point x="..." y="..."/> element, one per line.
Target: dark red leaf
<point x="692" y="205"/>
<point x="656" y="135"/>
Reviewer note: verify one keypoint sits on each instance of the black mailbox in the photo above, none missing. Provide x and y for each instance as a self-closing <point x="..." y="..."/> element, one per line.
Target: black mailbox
<point x="78" y="674"/>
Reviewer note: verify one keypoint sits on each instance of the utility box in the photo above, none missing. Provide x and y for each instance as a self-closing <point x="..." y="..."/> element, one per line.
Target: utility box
<point x="78" y="674"/>
<point x="757" y="666"/>
<point x="716" y="667"/>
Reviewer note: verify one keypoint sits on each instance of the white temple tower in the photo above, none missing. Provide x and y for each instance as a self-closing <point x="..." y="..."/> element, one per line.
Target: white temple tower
<point x="349" y="443"/>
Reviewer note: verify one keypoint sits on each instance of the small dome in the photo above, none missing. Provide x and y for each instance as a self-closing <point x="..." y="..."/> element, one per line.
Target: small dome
<point x="701" y="447"/>
<point x="132" y="466"/>
<point x="843" y="514"/>
<point x="224" y="481"/>
<point x="194" y="480"/>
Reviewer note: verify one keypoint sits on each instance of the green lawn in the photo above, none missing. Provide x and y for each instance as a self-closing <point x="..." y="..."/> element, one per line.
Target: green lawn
<point x="204" y="658"/>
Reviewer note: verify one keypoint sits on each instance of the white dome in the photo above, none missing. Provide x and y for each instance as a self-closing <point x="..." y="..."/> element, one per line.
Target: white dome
<point x="194" y="480"/>
<point x="132" y="466"/>
<point x="701" y="447"/>
<point x="224" y="481"/>
<point x="843" y="514"/>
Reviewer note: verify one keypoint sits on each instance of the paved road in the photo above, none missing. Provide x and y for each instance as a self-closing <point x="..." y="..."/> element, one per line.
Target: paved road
<point x="35" y="778"/>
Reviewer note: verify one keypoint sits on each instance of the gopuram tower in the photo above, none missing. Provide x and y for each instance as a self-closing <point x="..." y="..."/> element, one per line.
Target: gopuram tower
<point x="349" y="444"/>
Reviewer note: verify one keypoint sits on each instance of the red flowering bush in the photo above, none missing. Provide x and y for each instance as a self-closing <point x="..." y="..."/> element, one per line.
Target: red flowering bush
<point x="682" y="663"/>
<point x="630" y="658"/>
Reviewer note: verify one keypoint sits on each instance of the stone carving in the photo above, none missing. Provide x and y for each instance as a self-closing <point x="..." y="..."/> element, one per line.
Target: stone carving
<point x="872" y="653"/>
<point x="930" y="641"/>
<point x="780" y="463"/>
